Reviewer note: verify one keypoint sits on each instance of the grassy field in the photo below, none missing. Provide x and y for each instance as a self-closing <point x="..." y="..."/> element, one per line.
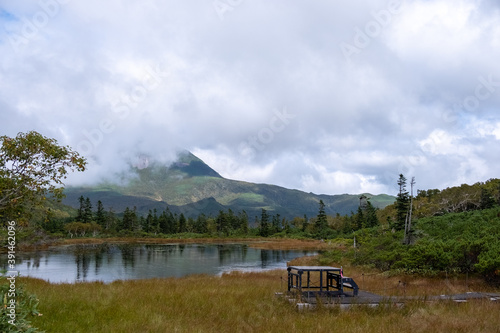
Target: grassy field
<point x="245" y="302"/>
<point x="261" y="243"/>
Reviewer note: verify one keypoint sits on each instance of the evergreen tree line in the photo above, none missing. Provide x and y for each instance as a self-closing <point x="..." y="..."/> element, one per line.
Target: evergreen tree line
<point x="93" y="221"/>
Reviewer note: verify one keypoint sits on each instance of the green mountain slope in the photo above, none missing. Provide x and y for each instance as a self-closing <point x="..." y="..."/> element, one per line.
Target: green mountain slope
<point x="192" y="187"/>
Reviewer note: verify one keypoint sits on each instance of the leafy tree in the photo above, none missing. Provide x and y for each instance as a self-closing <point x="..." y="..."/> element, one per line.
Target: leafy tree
<point x="489" y="261"/>
<point x="26" y="308"/>
<point x="487" y="200"/>
<point x="81" y="229"/>
<point x="31" y="167"/>
<point x="498" y="193"/>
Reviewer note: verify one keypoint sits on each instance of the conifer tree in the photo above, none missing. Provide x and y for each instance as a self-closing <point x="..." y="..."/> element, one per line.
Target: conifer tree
<point x="371" y="219"/>
<point x="88" y="216"/>
<point x="359" y="219"/>
<point x="264" y="224"/>
<point x="163" y="222"/>
<point x="402" y="204"/>
<point x="243" y="217"/>
<point x="201" y="224"/>
<point x="147" y="223"/>
<point x="305" y="224"/>
<point x="321" y="225"/>
<point x="79" y="214"/>
<point x="100" y="216"/>
<point x="129" y="221"/>
<point x="182" y="223"/>
<point x="276" y="224"/>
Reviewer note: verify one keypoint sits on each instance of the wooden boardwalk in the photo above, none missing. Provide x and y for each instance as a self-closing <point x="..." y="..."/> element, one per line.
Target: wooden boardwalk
<point x="310" y="300"/>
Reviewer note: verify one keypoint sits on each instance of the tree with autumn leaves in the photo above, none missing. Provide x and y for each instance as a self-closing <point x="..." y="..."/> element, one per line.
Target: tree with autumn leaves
<point x="32" y="168"/>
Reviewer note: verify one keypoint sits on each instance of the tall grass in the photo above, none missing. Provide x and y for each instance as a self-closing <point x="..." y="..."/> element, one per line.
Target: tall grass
<point x="260" y="242"/>
<point x="239" y="302"/>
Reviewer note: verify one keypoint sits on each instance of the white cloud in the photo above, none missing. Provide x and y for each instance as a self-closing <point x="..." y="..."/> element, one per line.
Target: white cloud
<point x="496" y="131"/>
<point x="439" y="32"/>
<point x="440" y="142"/>
<point x="356" y="124"/>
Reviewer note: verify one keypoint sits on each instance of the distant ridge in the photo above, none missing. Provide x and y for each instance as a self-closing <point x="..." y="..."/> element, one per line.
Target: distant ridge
<point x="191" y="187"/>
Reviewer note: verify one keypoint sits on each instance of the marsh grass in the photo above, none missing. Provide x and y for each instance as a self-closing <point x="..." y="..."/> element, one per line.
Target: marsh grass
<point x="239" y="302"/>
<point x="261" y="243"/>
<point x="246" y="302"/>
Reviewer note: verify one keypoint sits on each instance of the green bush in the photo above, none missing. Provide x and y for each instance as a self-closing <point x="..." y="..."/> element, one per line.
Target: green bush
<point x="489" y="260"/>
<point x="25" y="307"/>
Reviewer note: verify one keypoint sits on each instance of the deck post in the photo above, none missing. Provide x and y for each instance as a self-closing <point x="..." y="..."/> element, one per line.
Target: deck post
<point x="290" y="279"/>
<point x="299" y="284"/>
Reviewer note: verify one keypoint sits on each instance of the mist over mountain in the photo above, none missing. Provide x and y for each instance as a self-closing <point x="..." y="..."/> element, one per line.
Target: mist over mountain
<point x="190" y="186"/>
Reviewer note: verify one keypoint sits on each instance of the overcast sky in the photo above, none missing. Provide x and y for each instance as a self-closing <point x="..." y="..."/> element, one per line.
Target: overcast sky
<point x="323" y="96"/>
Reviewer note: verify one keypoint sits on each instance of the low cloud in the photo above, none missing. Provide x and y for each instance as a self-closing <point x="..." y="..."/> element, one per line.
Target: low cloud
<point x="117" y="81"/>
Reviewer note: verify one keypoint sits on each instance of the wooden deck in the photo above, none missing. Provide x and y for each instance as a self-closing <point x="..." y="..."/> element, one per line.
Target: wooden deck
<point x="308" y="285"/>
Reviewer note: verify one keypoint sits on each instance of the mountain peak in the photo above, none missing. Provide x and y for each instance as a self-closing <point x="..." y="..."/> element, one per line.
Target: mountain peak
<point x="193" y="166"/>
<point x="185" y="163"/>
<point x="190" y="186"/>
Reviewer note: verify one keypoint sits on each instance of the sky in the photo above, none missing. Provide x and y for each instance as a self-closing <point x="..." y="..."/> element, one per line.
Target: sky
<point x="328" y="97"/>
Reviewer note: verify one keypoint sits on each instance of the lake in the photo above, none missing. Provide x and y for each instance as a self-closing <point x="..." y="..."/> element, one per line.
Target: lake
<point x="110" y="262"/>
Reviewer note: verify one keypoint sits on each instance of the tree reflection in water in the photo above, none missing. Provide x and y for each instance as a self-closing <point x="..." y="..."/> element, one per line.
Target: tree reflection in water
<point x="109" y="262"/>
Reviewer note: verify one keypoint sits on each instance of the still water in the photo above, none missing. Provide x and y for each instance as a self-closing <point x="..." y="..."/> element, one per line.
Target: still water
<point x="110" y="262"/>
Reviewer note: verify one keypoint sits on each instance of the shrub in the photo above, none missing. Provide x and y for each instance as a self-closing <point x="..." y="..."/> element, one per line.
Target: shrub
<point x="25" y="307"/>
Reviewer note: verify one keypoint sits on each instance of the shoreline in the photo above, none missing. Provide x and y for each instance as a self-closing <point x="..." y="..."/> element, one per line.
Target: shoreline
<point x="261" y="243"/>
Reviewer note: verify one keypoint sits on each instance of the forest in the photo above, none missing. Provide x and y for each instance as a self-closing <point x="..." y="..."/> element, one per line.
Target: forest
<point x="454" y="230"/>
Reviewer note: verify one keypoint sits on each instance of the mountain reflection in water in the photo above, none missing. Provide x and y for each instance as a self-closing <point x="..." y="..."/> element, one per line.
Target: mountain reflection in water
<point x="110" y="262"/>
